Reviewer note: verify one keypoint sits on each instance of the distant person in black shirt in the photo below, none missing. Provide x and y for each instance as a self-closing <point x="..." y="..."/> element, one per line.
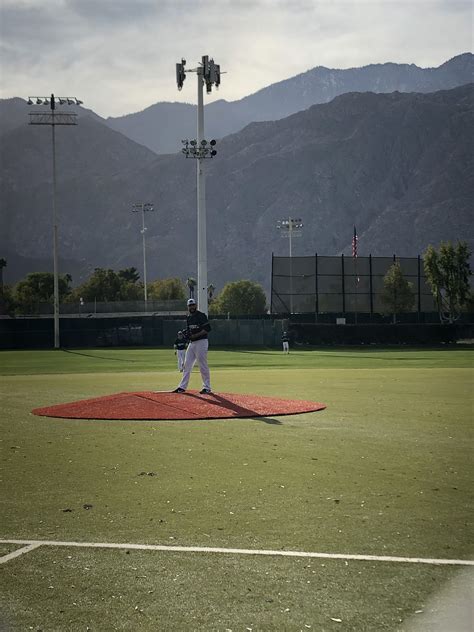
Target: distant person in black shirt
<point x="198" y="328"/>
<point x="286" y="342"/>
<point x="180" y="345"/>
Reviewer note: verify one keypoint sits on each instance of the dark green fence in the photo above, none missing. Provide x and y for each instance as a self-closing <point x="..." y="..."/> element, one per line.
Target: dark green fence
<point x="373" y="334"/>
<point x="38" y="333"/>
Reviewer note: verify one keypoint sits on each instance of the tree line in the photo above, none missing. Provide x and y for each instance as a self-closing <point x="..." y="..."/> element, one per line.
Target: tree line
<point x="447" y="272"/>
<point x="106" y="285"/>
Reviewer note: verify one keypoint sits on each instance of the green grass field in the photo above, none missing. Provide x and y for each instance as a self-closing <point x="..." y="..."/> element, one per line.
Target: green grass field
<point x="385" y="470"/>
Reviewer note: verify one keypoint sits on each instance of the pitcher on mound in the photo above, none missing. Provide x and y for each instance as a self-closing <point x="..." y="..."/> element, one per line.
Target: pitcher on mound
<point x="197" y="329"/>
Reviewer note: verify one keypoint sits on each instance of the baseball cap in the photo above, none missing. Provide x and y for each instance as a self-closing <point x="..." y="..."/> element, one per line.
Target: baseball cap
<point x="191" y="301"/>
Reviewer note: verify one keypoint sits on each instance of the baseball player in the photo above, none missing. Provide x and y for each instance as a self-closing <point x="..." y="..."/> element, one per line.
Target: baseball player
<point x="286" y="342"/>
<point x="198" y="328"/>
<point x="179" y="346"/>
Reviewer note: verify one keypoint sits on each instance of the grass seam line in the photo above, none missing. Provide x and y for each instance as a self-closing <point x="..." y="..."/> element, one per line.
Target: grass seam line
<point x="206" y="549"/>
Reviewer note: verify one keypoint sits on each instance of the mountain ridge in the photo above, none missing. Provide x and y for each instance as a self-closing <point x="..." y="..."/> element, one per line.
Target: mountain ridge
<point x="162" y="125"/>
<point x="398" y="165"/>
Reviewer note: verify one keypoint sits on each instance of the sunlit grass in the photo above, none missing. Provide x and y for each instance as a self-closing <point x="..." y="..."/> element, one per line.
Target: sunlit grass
<point x="385" y="469"/>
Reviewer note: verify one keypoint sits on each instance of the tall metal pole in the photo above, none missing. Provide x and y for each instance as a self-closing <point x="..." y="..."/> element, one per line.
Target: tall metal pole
<point x="290" y="230"/>
<point x="55" y="240"/>
<point x="52" y="118"/>
<point x="208" y="73"/>
<point x="144" y="256"/>
<point x="201" y="203"/>
<point x="143" y="207"/>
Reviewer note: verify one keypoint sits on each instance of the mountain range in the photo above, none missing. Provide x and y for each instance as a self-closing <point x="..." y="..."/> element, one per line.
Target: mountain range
<point x="161" y="126"/>
<point x="397" y="165"/>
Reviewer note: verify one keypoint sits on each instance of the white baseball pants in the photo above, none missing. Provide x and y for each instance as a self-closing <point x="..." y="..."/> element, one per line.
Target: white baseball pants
<point x="196" y="352"/>
<point x="181" y="354"/>
<point x="286" y="347"/>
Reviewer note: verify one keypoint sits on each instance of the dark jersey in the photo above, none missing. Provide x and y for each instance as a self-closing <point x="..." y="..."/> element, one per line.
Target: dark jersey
<point x="198" y="322"/>
<point x="180" y="344"/>
<point x="285" y="338"/>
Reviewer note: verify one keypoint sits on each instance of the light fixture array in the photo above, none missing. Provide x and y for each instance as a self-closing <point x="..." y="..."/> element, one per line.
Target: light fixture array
<point x="204" y="149"/>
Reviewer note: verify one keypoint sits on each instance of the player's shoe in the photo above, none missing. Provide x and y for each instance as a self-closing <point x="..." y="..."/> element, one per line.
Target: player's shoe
<point x="205" y="391"/>
<point x="179" y="390"/>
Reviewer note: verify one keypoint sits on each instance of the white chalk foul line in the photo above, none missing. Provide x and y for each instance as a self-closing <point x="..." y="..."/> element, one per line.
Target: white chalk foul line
<point x="208" y="549"/>
<point x="18" y="552"/>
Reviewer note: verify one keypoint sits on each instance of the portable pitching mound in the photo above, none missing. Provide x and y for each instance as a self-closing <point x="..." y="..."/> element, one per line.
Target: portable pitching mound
<point x="149" y="405"/>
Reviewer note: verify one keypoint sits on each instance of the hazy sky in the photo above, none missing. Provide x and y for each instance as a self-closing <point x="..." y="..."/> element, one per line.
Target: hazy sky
<point x="119" y="56"/>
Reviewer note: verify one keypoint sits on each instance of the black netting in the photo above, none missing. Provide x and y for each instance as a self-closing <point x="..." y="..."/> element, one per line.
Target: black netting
<point x="377" y="284"/>
<point x="427" y="303"/>
<point x="357" y="284"/>
<point x="380" y="265"/>
<point x="342" y="284"/>
<point x="330" y="284"/>
<point x="330" y="303"/>
<point x="409" y="266"/>
<point x="304" y="303"/>
<point x="329" y="265"/>
<point x="358" y="266"/>
<point x="359" y="302"/>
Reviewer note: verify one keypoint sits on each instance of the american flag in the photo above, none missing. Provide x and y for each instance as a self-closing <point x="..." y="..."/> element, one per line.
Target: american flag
<point x="355" y="239"/>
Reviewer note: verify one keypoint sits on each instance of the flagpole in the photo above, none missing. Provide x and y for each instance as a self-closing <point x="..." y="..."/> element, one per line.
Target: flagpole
<point x="356" y="295"/>
<point x="356" y="278"/>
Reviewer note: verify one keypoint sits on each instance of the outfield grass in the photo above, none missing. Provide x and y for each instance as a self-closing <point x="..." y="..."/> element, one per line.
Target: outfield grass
<point x="132" y="360"/>
<point x="384" y="470"/>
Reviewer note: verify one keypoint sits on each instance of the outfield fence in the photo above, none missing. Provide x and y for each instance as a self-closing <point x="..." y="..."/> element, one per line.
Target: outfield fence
<point x="38" y="333"/>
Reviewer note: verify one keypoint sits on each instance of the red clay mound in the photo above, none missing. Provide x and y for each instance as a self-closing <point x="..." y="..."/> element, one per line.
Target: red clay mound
<point x="189" y="405"/>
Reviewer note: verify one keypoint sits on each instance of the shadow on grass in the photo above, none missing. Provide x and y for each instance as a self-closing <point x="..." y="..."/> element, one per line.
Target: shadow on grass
<point x="241" y="411"/>
<point x="98" y="357"/>
<point x="357" y="349"/>
<point x="268" y="420"/>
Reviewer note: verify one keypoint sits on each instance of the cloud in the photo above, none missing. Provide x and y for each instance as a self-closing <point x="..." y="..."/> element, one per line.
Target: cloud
<point x="102" y="14"/>
<point x="119" y="56"/>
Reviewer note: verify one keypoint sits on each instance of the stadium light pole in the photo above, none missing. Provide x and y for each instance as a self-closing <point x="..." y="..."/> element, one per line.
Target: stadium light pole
<point x="143" y="207"/>
<point x="54" y="118"/>
<point x="290" y="228"/>
<point x="207" y="73"/>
